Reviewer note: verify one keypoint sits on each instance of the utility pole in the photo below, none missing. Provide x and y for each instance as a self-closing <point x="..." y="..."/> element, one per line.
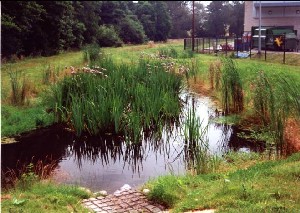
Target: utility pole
<point x="193" y="28"/>
<point x="259" y="32"/>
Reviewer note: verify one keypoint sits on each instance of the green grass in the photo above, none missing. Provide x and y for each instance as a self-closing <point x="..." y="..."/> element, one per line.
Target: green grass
<point x="26" y="115"/>
<point x="271" y="186"/>
<point x="44" y="197"/>
<point x="15" y="120"/>
<point x="33" y="68"/>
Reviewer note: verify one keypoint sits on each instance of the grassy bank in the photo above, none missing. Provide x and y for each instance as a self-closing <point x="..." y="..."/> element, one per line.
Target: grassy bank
<point x="43" y="197"/>
<point x="262" y="187"/>
<point x="247" y="184"/>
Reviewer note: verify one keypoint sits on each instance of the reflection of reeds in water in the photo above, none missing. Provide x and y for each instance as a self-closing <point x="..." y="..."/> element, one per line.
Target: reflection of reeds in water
<point x="27" y="173"/>
<point x="196" y="145"/>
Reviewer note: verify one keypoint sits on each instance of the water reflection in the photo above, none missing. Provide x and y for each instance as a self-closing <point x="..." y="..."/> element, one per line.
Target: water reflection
<point x="107" y="162"/>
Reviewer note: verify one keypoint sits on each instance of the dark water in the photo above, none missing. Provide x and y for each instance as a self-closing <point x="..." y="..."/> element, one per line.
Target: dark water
<point x="107" y="163"/>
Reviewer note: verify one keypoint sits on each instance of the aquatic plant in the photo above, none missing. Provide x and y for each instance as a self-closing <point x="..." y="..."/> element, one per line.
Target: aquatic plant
<point x="91" y="53"/>
<point x="231" y="87"/>
<point x="196" y="148"/>
<point x="19" y="87"/>
<point x="214" y="73"/>
<point x="275" y="104"/>
<point x="114" y="98"/>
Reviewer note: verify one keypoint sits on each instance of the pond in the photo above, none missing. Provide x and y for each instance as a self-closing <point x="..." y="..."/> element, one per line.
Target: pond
<point x="107" y="162"/>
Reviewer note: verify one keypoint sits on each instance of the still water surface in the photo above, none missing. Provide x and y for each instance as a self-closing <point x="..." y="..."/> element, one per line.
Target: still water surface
<point x="107" y="163"/>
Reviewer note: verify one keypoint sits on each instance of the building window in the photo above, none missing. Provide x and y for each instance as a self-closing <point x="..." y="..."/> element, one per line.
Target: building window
<point x="297" y="11"/>
<point x="270" y="12"/>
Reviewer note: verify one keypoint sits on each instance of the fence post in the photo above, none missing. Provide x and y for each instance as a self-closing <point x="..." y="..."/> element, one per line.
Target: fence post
<point x="237" y="46"/>
<point x="208" y="45"/>
<point x="217" y="44"/>
<point x="184" y="44"/>
<point x="266" y="48"/>
<point x="284" y="48"/>
<point x="250" y="46"/>
<point x="203" y="44"/>
<point x="226" y="45"/>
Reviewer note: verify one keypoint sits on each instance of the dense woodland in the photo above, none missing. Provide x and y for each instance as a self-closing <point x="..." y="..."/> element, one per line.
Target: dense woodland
<point x="45" y="28"/>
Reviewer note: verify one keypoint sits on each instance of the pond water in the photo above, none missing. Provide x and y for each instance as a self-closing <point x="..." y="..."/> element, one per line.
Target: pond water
<point x="107" y="162"/>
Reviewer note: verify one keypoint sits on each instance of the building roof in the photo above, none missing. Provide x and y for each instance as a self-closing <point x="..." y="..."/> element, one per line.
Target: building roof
<point x="276" y="3"/>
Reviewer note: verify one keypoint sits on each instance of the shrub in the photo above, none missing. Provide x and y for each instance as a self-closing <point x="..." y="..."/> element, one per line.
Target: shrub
<point x="131" y="31"/>
<point x="108" y="37"/>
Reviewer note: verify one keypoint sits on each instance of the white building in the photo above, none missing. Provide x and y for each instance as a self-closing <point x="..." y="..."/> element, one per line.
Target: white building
<point x="273" y="13"/>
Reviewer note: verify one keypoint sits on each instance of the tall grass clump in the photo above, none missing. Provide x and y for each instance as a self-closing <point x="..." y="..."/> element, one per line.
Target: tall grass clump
<point x="91" y="53"/>
<point x="196" y="149"/>
<point x="187" y="54"/>
<point x="122" y="99"/>
<point x="50" y="74"/>
<point x="215" y="75"/>
<point x="168" y="52"/>
<point x="20" y="88"/>
<point x="172" y="52"/>
<point x="231" y="87"/>
<point x="276" y="98"/>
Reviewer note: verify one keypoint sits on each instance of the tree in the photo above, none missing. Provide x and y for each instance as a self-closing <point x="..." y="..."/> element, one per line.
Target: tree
<point x="217" y="18"/>
<point x="146" y="14"/>
<point x="18" y="23"/>
<point x="88" y="19"/>
<point x="237" y="18"/>
<point x="131" y="30"/>
<point x="162" y="21"/>
<point x="200" y="19"/>
<point x="181" y="18"/>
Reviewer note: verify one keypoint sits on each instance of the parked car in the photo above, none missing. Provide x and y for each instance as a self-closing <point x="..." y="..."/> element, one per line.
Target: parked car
<point x="275" y="38"/>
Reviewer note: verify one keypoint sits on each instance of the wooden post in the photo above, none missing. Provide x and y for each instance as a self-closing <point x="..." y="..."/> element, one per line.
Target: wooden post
<point x="226" y="45"/>
<point x="266" y="48"/>
<point x="209" y="45"/>
<point x="284" y="48"/>
<point x="193" y="28"/>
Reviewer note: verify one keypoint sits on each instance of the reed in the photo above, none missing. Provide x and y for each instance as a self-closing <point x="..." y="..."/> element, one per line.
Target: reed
<point x="196" y="149"/>
<point x="276" y="98"/>
<point x="20" y="88"/>
<point x="231" y="87"/>
<point x="106" y="97"/>
<point x="214" y="72"/>
<point x="91" y="53"/>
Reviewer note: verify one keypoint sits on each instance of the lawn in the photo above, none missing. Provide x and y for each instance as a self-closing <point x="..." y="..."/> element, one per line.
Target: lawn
<point x="246" y="184"/>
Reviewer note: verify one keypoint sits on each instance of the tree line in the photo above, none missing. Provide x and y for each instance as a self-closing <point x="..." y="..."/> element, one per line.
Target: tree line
<point x="49" y="27"/>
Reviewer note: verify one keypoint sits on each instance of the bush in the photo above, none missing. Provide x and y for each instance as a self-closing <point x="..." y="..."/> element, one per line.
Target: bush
<point x="108" y="37"/>
<point x="131" y="31"/>
<point x="91" y="52"/>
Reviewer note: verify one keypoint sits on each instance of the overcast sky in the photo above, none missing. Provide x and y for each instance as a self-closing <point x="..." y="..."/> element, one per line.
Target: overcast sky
<point x="205" y="3"/>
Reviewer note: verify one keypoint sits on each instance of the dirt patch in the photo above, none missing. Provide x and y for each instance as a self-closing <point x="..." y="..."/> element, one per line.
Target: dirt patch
<point x="6" y="197"/>
<point x="292" y="136"/>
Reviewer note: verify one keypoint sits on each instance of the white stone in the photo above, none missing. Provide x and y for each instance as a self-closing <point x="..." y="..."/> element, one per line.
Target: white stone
<point x="118" y="192"/>
<point x="85" y="189"/>
<point x="146" y="191"/>
<point x="125" y="187"/>
<point x="101" y="193"/>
